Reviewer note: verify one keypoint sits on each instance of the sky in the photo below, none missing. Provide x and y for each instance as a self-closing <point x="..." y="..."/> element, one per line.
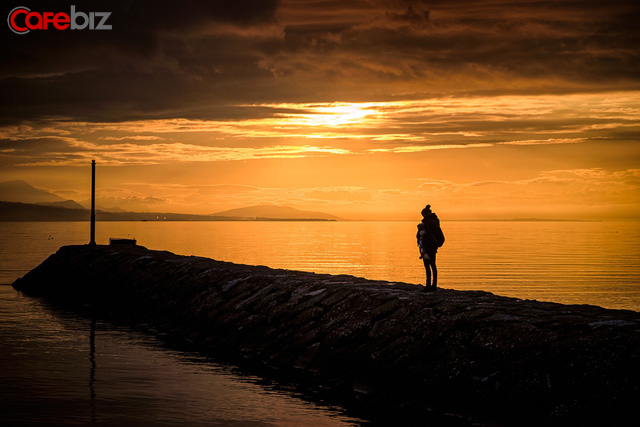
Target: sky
<point x="366" y="109"/>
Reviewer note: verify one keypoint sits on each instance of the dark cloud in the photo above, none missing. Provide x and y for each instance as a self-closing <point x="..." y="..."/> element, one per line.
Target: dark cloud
<point x="137" y="30"/>
<point x="158" y="59"/>
<point x="27" y="147"/>
<point x="573" y="41"/>
<point x="40" y="150"/>
<point x="199" y="59"/>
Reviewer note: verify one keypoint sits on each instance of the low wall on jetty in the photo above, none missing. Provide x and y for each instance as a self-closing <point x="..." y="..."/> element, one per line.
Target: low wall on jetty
<point x="449" y="357"/>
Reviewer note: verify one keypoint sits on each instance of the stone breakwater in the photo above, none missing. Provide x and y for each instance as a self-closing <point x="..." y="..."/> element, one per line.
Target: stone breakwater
<point x="456" y="357"/>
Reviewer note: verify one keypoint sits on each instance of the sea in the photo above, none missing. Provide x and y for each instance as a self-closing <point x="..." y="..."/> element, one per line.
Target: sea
<point x="57" y="367"/>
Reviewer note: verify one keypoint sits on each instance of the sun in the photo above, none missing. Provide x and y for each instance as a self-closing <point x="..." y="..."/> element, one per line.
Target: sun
<point x="338" y="114"/>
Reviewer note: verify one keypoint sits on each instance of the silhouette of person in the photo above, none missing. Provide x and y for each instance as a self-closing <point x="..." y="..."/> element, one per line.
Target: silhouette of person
<point x="430" y="238"/>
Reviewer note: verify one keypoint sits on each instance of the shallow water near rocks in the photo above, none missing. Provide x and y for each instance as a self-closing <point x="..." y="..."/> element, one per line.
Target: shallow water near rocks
<point x="61" y="369"/>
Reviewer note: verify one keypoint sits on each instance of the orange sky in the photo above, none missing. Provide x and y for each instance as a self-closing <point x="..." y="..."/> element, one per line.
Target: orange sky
<point x="362" y="109"/>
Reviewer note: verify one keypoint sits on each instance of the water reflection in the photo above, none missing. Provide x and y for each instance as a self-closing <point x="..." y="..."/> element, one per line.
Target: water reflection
<point x="92" y="370"/>
<point x="133" y="377"/>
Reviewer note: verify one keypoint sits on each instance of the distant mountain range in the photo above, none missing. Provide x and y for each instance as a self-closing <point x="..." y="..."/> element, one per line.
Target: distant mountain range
<point x="274" y="212"/>
<point x="67" y="204"/>
<point x="21" y="191"/>
<point x="19" y="201"/>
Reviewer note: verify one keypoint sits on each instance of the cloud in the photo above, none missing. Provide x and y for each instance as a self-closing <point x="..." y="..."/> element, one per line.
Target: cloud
<point x="138" y="29"/>
<point x="208" y="199"/>
<point x="486" y="42"/>
<point x="293" y="130"/>
<point x="337" y="194"/>
<point x="159" y="56"/>
<point x="71" y="151"/>
<point x="478" y="98"/>
<point x="545" y="141"/>
<point x="573" y="187"/>
<point x="200" y="59"/>
<point x="417" y="148"/>
<point x="129" y="203"/>
<point x="132" y="138"/>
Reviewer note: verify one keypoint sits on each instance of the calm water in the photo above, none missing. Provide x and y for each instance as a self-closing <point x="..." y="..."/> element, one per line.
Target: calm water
<point x="54" y="369"/>
<point x="60" y="369"/>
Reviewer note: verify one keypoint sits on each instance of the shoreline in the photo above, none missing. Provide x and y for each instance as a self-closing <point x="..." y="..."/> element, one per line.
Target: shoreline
<point x="469" y="356"/>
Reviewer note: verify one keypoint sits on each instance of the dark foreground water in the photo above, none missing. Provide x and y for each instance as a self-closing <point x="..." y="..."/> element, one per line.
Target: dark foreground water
<point x="58" y="368"/>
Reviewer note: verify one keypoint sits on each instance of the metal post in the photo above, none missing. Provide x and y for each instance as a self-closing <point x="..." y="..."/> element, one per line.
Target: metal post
<point x="92" y="242"/>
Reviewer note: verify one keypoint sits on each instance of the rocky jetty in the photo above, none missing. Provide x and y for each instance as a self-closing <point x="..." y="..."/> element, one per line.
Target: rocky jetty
<point x="450" y="357"/>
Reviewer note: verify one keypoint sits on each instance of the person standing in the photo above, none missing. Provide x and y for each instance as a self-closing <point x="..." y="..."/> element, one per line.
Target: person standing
<point x="430" y="237"/>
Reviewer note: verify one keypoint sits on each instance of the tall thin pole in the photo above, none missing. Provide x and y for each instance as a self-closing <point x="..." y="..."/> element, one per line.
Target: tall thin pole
<point x="93" y="203"/>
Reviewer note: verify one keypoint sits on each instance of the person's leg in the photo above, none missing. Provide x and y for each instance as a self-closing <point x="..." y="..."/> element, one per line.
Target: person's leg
<point x="427" y="263"/>
<point x="434" y="269"/>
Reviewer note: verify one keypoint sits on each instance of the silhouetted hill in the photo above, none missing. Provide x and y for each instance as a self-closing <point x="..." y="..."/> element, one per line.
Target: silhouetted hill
<point x="21" y="191"/>
<point x="15" y="211"/>
<point x="67" y="204"/>
<point x="20" y="201"/>
<point x="274" y="212"/>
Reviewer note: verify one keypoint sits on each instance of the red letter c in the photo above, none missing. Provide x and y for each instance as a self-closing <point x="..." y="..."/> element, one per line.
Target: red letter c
<point x="12" y="20"/>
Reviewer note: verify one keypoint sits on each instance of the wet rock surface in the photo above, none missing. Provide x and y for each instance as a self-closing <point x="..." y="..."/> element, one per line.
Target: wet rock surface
<point x="449" y="357"/>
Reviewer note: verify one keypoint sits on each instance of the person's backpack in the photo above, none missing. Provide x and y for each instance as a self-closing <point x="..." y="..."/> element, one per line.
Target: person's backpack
<point x="438" y="235"/>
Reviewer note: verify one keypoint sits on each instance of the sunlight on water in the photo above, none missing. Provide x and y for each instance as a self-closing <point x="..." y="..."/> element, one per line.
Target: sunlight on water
<point x="568" y="262"/>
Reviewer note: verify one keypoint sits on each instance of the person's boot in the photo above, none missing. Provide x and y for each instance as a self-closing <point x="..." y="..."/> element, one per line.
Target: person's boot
<point x="428" y="288"/>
